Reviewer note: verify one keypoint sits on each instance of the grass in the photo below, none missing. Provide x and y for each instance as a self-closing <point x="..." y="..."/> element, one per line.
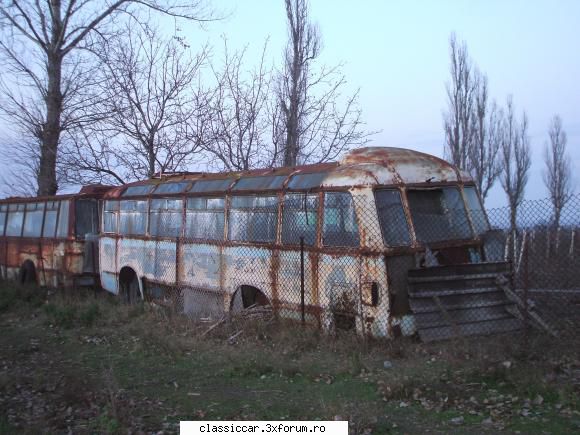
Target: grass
<point x="85" y="363"/>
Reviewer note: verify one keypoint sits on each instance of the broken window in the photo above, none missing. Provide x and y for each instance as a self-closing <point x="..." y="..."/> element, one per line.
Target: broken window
<point x="392" y="218"/>
<point x="480" y="223"/>
<point x="253" y="219"/>
<point x="62" y="228"/>
<point x="3" y="210"/>
<point x="33" y="219"/>
<point x="143" y="189"/>
<point x="50" y="217"/>
<point x="166" y="217"/>
<point x="87" y="217"/>
<point x="164" y="189"/>
<point x="110" y="215"/>
<point x="438" y="215"/>
<point x="133" y="218"/>
<point x="205" y="218"/>
<point x="340" y="227"/>
<point x="15" y="220"/>
<point x="299" y="218"/>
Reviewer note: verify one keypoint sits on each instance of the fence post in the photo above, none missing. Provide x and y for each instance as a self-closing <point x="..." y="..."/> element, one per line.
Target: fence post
<point x="526" y="285"/>
<point x="302" y="307"/>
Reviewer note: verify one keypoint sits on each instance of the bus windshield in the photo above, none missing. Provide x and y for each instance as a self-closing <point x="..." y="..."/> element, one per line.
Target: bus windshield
<point x="438" y="215"/>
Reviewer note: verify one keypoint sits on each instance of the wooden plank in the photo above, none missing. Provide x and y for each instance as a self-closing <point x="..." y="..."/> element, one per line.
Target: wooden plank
<point x="452" y="303"/>
<point x="452" y="285"/>
<point x="444" y="278"/>
<point x="469" y="291"/>
<point x="457" y="317"/>
<point x="448" y="319"/>
<point x="460" y="269"/>
<point x="478" y="328"/>
<point x="533" y="315"/>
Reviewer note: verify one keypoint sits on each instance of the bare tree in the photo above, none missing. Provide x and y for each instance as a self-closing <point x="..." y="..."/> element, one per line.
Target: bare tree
<point x="315" y="125"/>
<point x="516" y="159"/>
<point x="558" y="172"/>
<point x="149" y="110"/>
<point x="242" y="133"/>
<point x="483" y="153"/>
<point x="461" y="94"/>
<point x="42" y="42"/>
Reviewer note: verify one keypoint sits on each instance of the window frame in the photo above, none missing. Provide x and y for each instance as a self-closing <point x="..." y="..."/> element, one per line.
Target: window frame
<point x="188" y="211"/>
<point x="323" y="220"/>
<point x="50" y="206"/>
<point x="317" y="212"/>
<point x="166" y="210"/>
<point x="265" y="209"/>
<point x="28" y="211"/>
<point x="408" y="222"/>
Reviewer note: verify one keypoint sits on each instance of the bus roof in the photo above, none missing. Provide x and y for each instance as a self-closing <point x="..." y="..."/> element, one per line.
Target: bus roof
<point x="360" y="167"/>
<point x="87" y="191"/>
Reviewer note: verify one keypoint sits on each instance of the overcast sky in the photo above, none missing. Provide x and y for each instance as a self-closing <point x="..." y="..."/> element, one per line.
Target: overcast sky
<point x="397" y="53"/>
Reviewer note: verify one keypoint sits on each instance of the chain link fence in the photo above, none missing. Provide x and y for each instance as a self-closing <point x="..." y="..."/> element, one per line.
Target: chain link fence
<point x="376" y="265"/>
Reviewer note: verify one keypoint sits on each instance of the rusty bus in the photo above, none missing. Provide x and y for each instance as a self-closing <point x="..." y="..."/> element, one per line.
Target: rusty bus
<point x="393" y="235"/>
<point x="51" y="241"/>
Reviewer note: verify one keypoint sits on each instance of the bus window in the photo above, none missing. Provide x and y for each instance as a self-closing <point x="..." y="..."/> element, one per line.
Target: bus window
<point x="438" y="214"/>
<point x="340" y="227"/>
<point x="253" y="218"/>
<point x="299" y="218"/>
<point x="33" y="219"/>
<point x="50" y="219"/>
<point x="205" y="218"/>
<point x="15" y="219"/>
<point x="133" y="218"/>
<point x="110" y="215"/>
<point x="392" y="218"/>
<point x="480" y="224"/>
<point x="87" y="217"/>
<point x="3" y="209"/>
<point x="166" y="216"/>
<point x="166" y="188"/>
<point x="138" y="190"/>
<point x="62" y="228"/>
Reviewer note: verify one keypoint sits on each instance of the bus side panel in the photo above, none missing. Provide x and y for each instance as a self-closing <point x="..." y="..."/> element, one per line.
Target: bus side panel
<point x="289" y="291"/>
<point x="200" y="279"/>
<point x="375" y="296"/>
<point x="13" y="263"/>
<point x="339" y="288"/>
<point x="108" y="263"/>
<point x="200" y="266"/>
<point x="165" y="262"/>
<point x="137" y="254"/>
<point x="3" y="268"/>
<point x="248" y="265"/>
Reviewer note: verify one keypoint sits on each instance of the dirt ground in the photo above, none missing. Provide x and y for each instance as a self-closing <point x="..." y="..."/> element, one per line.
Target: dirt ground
<point x="86" y="364"/>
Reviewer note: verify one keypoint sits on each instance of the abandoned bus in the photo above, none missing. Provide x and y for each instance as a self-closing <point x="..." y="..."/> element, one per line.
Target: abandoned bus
<point x="375" y="228"/>
<point x="51" y="241"/>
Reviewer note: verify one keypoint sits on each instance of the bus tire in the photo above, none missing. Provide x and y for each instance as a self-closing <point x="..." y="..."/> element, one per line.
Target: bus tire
<point x="129" y="286"/>
<point x="27" y="274"/>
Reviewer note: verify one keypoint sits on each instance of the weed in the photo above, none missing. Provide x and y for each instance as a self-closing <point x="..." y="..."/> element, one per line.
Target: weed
<point x="63" y="316"/>
<point x="90" y="314"/>
<point x="8" y="298"/>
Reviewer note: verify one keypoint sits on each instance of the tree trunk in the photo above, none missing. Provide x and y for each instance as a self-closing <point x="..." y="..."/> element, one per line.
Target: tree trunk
<point x="47" y="183"/>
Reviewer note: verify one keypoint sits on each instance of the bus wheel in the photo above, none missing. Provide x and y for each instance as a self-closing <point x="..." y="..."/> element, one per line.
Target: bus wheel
<point x="27" y="273"/>
<point x="129" y="286"/>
